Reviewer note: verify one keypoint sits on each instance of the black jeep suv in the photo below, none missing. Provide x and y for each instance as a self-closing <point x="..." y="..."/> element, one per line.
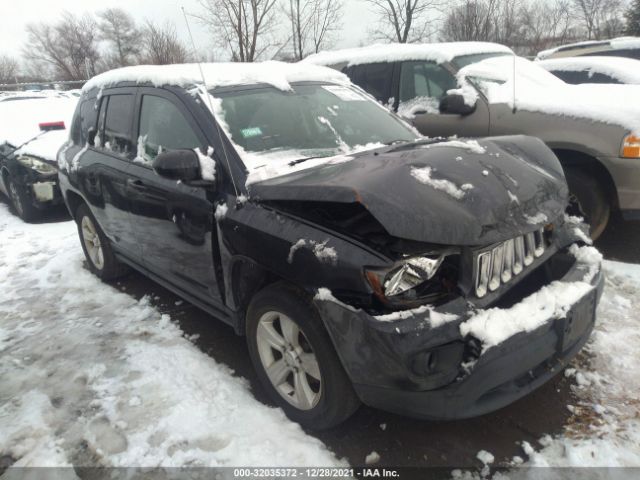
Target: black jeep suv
<point x="435" y="278"/>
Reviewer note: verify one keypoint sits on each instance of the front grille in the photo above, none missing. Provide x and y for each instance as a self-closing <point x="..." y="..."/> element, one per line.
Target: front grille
<point x="506" y="260"/>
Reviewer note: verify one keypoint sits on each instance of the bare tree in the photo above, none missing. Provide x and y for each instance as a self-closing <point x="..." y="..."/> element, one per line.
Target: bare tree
<point x="405" y="21"/>
<point x="119" y="29"/>
<point x="161" y="46"/>
<point x="312" y="24"/>
<point x="545" y="24"/>
<point x="244" y="27"/>
<point x="472" y="20"/>
<point x="599" y="18"/>
<point x="8" y="69"/>
<point x="68" y="47"/>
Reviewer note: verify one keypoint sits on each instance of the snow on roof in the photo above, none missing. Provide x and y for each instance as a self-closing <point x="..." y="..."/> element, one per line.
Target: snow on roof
<point x="277" y="74"/>
<point x="437" y="52"/>
<point x="540" y="91"/>
<point x="625" y="70"/>
<point x="615" y="43"/>
<point x="20" y="119"/>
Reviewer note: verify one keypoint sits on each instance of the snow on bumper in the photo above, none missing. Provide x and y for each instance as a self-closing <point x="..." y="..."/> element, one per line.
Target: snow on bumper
<point x="449" y="362"/>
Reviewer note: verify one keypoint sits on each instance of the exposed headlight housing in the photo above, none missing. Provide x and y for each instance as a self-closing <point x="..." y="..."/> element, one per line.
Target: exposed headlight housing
<point x="630" y="146"/>
<point x="409" y="280"/>
<point x="37" y="165"/>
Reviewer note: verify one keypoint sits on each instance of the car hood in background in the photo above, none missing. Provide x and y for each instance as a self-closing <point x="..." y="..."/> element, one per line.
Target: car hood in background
<point x="447" y="192"/>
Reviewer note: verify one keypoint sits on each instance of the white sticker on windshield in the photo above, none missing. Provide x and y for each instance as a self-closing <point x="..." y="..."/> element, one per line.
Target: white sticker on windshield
<point x="344" y="93"/>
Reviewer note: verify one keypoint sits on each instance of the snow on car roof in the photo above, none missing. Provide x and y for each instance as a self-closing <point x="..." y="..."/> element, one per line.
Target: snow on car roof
<point x="277" y="74"/>
<point x="540" y="91"/>
<point x="615" y="43"/>
<point x="437" y="52"/>
<point x="625" y="70"/>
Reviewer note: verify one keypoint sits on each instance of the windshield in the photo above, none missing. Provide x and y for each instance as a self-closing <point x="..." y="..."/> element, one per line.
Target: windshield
<point x="310" y="121"/>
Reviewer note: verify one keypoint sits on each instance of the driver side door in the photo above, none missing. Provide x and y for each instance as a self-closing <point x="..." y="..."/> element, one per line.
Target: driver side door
<point x="422" y="86"/>
<point x="174" y="221"/>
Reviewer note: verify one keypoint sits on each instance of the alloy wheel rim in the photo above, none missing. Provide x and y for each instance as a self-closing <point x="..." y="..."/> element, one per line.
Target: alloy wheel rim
<point x="288" y="360"/>
<point x="15" y="198"/>
<point x="92" y="243"/>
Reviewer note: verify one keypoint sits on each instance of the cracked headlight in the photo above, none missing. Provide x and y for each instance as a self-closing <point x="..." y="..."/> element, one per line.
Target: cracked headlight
<point x="413" y="279"/>
<point x="37" y="165"/>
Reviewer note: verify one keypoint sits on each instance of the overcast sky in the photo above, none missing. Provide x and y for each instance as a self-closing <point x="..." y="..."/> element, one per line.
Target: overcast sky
<point x="357" y="17"/>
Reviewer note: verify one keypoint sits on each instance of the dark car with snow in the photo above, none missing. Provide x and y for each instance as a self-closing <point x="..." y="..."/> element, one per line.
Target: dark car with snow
<point x="438" y="279"/>
<point x="32" y="129"/>
<point x="475" y="88"/>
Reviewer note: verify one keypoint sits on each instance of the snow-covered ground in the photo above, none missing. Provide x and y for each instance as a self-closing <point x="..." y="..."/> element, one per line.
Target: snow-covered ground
<point x="91" y="376"/>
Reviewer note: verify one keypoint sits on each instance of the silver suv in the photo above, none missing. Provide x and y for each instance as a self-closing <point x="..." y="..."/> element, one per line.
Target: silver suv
<point x="466" y="89"/>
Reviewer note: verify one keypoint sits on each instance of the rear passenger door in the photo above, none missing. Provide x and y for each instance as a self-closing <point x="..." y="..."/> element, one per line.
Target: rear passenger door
<point x="422" y="85"/>
<point x="174" y="221"/>
<point x="102" y="171"/>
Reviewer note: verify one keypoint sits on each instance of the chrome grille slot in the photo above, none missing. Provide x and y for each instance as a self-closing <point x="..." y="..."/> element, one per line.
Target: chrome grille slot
<point x="499" y="265"/>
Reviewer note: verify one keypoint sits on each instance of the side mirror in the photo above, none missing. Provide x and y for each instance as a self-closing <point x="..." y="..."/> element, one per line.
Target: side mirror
<point x="454" y="103"/>
<point x="182" y="165"/>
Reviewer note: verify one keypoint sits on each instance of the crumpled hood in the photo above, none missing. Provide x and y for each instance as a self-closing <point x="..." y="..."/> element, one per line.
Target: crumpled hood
<point x="459" y="192"/>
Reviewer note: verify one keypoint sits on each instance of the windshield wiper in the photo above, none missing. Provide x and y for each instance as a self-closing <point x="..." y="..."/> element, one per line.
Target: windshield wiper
<point x="300" y="160"/>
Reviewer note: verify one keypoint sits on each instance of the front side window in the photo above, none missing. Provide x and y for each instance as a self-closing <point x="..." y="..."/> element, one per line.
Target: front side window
<point x="116" y="133"/>
<point x="162" y="127"/>
<point x="424" y="79"/>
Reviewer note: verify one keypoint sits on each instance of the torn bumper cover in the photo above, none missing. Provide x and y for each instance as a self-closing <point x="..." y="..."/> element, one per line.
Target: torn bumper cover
<point x="431" y="363"/>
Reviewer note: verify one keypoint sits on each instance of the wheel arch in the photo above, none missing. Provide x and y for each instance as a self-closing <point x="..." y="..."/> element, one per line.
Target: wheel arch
<point x="591" y="165"/>
<point x="74" y="201"/>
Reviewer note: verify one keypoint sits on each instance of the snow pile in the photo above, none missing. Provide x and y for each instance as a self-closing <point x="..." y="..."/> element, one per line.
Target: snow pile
<point x="540" y="91"/>
<point x="398" y="52"/>
<point x="604" y="430"/>
<point x="424" y="175"/>
<point x="320" y="250"/>
<point x="20" y="119"/>
<point x="625" y="70"/>
<point x="92" y="377"/>
<point x="207" y="164"/>
<point x="278" y="74"/>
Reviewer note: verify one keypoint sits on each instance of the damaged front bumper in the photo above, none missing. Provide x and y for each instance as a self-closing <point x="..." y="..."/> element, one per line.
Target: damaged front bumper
<point x="422" y="365"/>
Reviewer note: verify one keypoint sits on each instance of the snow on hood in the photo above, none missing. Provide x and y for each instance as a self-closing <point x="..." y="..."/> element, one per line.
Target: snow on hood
<point x="395" y="52"/>
<point x="46" y="146"/>
<point x="616" y="43"/>
<point x="20" y="119"/>
<point x="540" y="91"/>
<point x="277" y="74"/>
<point x="625" y="70"/>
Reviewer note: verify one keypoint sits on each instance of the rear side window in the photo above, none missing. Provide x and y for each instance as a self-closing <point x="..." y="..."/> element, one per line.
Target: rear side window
<point x="374" y="78"/>
<point x="576" y="78"/>
<point x="116" y="124"/>
<point x="163" y="127"/>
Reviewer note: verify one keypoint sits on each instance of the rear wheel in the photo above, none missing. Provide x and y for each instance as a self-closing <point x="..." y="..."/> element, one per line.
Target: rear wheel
<point x="295" y="359"/>
<point x="591" y="198"/>
<point x="20" y="201"/>
<point x="97" y="249"/>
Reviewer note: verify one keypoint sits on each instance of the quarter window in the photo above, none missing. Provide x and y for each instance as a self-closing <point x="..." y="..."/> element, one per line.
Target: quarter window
<point x="163" y="127"/>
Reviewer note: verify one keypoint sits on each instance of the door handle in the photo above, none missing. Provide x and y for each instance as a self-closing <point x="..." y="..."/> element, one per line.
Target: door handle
<point x="135" y="184"/>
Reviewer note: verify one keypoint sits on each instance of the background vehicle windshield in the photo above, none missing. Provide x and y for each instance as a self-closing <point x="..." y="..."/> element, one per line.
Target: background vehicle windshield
<point x="311" y="120"/>
<point x="464" y="60"/>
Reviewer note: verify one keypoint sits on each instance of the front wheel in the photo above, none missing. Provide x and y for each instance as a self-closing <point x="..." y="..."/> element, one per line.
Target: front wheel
<point x="295" y="359"/>
<point x="591" y="199"/>
<point x="21" y="202"/>
<point x="97" y="249"/>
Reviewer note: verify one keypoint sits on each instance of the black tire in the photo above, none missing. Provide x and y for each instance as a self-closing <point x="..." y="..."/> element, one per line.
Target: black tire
<point x="20" y="201"/>
<point x="336" y="399"/>
<point x="110" y="268"/>
<point x="591" y="198"/>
